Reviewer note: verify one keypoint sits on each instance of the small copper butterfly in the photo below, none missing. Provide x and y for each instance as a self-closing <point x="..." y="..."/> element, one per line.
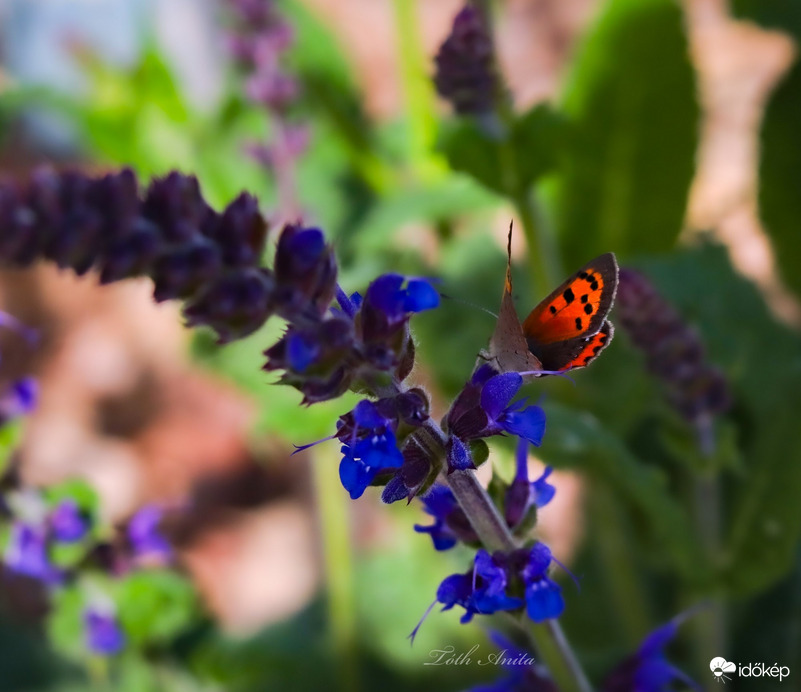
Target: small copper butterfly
<point x="565" y="331"/>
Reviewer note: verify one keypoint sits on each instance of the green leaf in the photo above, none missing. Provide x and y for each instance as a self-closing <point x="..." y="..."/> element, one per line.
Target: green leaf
<point x="154" y="606"/>
<point x="772" y="14"/>
<point x="507" y="165"/>
<point x="762" y="361"/>
<point x="779" y="172"/>
<point x="626" y="172"/>
<point x="10" y="435"/>
<point x="576" y="440"/>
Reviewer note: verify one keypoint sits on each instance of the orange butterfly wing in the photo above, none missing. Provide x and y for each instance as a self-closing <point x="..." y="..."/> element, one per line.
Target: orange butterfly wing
<point x="577" y="308"/>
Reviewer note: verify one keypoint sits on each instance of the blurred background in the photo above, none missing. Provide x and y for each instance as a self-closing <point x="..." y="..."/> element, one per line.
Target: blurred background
<point x="297" y="585"/>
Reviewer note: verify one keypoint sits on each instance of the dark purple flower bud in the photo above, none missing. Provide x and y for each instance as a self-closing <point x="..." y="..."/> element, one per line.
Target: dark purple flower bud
<point x="241" y="232"/>
<point x="465" y="73"/>
<point x="182" y="271"/>
<point x="648" y="669"/>
<point x="234" y="305"/>
<point x="414" y="475"/>
<point x="674" y="352"/>
<point x="458" y="455"/>
<point x="131" y="254"/>
<point x="175" y="204"/>
<point x="67" y="522"/>
<point x="103" y="633"/>
<point x="305" y="272"/>
<point x="522" y="494"/>
<point x="314" y="358"/>
<point x="147" y="542"/>
<point x="26" y="553"/>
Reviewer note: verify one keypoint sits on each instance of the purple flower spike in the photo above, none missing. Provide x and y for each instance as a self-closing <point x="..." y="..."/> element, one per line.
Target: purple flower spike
<point x="103" y="633"/>
<point x="67" y="523"/>
<point x="26" y="553"/>
<point x="148" y="544"/>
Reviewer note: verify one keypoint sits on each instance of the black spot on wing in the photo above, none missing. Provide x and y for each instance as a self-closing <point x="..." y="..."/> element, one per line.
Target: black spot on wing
<point x="568" y="296"/>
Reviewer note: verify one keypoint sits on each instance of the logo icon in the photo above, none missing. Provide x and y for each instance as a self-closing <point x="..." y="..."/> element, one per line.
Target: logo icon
<point x="719" y="667"/>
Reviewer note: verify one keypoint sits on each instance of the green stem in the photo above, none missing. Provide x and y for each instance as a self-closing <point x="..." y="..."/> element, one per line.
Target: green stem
<point x="617" y="561"/>
<point x="543" y="256"/>
<point x="417" y="89"/>
<point x="338" y="562"/>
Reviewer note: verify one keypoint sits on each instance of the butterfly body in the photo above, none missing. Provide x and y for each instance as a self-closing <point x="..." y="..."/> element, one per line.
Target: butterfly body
<point x="567" y="330"/>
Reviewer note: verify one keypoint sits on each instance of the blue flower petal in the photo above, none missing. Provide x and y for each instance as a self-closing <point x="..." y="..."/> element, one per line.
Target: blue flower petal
<point x="366" y="415"/>
<point x="454" y="589"/>
<point x="384" y="294"/>
<point x="544" y="600"/>
<point x="498" y="392"/>
<point x="355" y="477"/>
<point x="539" y="559"/>
<point x="67" y="523"/>
<point x="103" y="633"/>
<point x="543" y="491"/>
<point x="439" y="501"/>
<point x="528" y="424"/>
<point x="420" y="295"/>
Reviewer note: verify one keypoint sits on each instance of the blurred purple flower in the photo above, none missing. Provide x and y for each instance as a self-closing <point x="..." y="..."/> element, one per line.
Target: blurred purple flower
<point x="26" y="553"/>
<point x="147" y="542"/>
<point x="104" y="636"/>
<point x="648" y="669"/>
<point x="67" y="523"/>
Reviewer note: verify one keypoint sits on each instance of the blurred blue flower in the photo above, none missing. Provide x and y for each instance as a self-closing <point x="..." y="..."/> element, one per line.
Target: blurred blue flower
<point x="67" y="522"/>
<point x="147" y="542"/>
<point x="388" y="295"/>
<point x="648" y="669"/>
<point x="440" y="503"/>
<point x="522" y="493"/>
<point x="18" y="399"/>
<point x="26" y="553"/>
<point x="103" y="633"/>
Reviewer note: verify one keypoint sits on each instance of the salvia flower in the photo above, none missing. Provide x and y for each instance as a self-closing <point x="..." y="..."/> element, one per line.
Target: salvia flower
<point x="369" y="447"/>
<point x="67" y="522"/>
<point x="523" y="494"/>
<point x="104" y="636"/>
<point x="441" y="504"/>
<point x="483" y="408"/>
<point x="648" y="669"/>
<point x="27" y="553"/>
<point x="674" y="352"/>
<point x="18" y="399"/>
<point x="147" y="542"/>
<point x="506" y="581"/>
<point x="465" y="71"/>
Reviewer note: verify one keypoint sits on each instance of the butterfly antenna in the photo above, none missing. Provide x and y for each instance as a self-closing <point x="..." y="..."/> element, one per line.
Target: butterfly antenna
<point x="468" y="303"/>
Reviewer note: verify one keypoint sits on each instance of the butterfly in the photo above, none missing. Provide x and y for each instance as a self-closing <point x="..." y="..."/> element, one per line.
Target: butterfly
<point x="567" y="330"/>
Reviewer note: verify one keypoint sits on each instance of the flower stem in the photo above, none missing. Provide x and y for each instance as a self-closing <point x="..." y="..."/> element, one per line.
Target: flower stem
<point x="483" y="515"/>
<point x="338" y="561"/>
